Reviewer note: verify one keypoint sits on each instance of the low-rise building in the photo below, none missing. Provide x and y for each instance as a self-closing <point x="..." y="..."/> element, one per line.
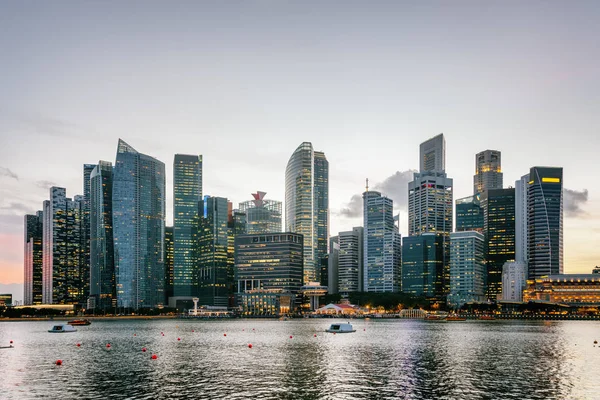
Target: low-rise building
<point x="571" y="289"/>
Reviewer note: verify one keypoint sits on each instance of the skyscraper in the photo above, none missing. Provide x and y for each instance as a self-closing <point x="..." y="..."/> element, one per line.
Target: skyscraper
<point x="488" y="171"/>
<point x="467" y="268"/>
<point x="169" y="269"/>
<point x="423" y="266"/>
<point x="85" y="229"/>
<point x="307" y="204"/>
<point x="430" y="203"/>
<point x="545" y="221"/>
<point x="333" y="263"/>
<point x="521" y="234"/>
<point x="214" y="274"/>
<point x="62" y="281"/>
<point x="32" y="291"/>
<point x="350" y="261"/>
<point x="514" y="279"/>
<point x="139" y="228"/>
<point x="103" y="289"/>
<point x="187" y="200"/>
<point x="499" y="230"/>
<point x="262" y="216"/>
<point x="469" y="214"/>
<point x="382" y="245"/>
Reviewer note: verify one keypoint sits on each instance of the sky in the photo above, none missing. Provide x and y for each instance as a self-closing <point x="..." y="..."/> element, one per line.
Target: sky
<point x="244" y="83"/>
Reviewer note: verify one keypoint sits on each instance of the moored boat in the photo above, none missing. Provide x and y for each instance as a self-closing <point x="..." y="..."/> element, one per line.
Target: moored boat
<point x="62" y="328"/>
<point x="340" y="328"/>
<point x="487" y="317"/>
<point x="80" y="322"/>
<point x="455" y="318"/>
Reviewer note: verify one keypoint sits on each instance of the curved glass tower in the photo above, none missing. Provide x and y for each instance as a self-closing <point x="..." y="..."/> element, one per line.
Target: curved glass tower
<point x="138" y="228"/>
<point x="307" y="204"/>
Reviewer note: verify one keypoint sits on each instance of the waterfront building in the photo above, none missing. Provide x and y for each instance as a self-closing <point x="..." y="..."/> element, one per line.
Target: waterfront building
<point x="62" y="280"/>
<point x="382" y="249"/>
<point x="570" y="289"/>
<point x="488" y="171"/>
<point x="514" y="279"/>
<point x="262" y="216"/>
<point x="469" y="214"/>
<point x="33" y="256"/>
<point x="596" y="270"/>
<point x="169" y="263"/>
<point x="6" y="299"/>
<point x="103" y="288"/>
<point x="138" y="228"/>
<point x="86" y="229"/>
<point x="187" y="201"/>
<point x="545" y="221"/>
<point x="423" y="265"/>
<point x="333" y="265"/>
<point x="268" y="272"/>
<point x="307" y="204"/>
<point x="215" y="276"/>
<point x="521" y="223"/>
<point x="430" y="208"/>
<point x="499" y="230"/>
<point x="467" y="268"/>
<point x="350" y="261"/>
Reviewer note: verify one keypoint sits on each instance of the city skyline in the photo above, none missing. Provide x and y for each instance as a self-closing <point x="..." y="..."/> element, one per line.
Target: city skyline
<point x="368" y="120"/>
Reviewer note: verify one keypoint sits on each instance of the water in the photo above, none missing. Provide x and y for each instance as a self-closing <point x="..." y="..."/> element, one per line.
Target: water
<point x="384" y="359"/>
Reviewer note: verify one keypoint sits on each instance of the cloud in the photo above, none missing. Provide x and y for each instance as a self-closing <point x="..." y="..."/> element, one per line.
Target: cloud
<point x="18" y="208"/>
<point x="8" y="173"/>
<point x="354" y="208"/>
<point x="45" y="184"/>
<point x="394" y="186"/>
<point x="573" y="200"/>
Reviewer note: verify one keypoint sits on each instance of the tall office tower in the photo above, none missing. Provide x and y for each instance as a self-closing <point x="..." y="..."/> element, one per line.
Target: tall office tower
<point x="62" y="282"/>
<point x="350" y="261"/>
<point x="85" y="229"/>
<point x="307" y="204"/>
<point x="187" y="198"/>
<point x="333" y="264"/>
<point x="467" y="268"/>
<point x="521" y="249"/>
<point x="433" y="154"/>
<point x="214" y="276"/>
<point x="382" y="249"/>
<point x="262" y="216"/>
<point x="169" y="264"/>
<point x="268" y="272"/>
<point x="514" y="280"/>
<point x="488" y="171"/>
<point x="499" y="230"/>
<point x="545" y="221"/>
<point x="32" y="291"/>
<point x="469" y="214"/>
<point x="139" y="228"/>
<point x="423" y="266"/>
<point x="103" y="288"/>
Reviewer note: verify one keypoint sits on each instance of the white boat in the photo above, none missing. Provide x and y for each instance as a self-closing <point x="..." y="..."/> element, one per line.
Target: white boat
<point x="62" y="328"/>
<point x="340" y="328"/>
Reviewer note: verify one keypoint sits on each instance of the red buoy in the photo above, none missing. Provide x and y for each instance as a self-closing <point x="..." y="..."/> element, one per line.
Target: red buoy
<point x="108" y="345"/>
<point x="192" y="331"/>
<point x="224" y="334"/>
<point x="143" y="349"/>
<point x="154" y="356"/>
<point x="58" y="362"/>
<point x="291" y="336"/>
<point x="250" y="345"/>
<point x="11" y="342"/>
<point x="178" y="339"/>
<point x="315" y="335"/>
<point x="78" y="344"/>
<point x="134" y="334"/>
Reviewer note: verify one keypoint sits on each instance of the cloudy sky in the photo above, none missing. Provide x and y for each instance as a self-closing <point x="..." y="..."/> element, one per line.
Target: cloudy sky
<point x="244" y="83"/>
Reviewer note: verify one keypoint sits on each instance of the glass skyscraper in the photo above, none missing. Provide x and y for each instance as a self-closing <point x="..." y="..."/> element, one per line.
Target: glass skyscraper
<point x="488" y="171"/>
<point x="187" y="201"/>
<point x="545" y="221"/>
<point x="350" y="261"/>
<point x="467" y="268"/>
<point x="469" y="214"/>
<point x="86" y="228"/>
<point x="139" y="228"/>
<point x="169" y="272"/>
<point x="382" y="245"/>
<point x="262" y="216"/>
<point x="422" y="265"/>
<point x="33" y="267"/>
<point x="103" y="289"/>
<point x="307" y="204"/>
<point x="214" y="274"/>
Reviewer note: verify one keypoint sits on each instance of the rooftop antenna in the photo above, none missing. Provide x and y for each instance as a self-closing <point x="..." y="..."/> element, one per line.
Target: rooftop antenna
<point x="367" y="184"/>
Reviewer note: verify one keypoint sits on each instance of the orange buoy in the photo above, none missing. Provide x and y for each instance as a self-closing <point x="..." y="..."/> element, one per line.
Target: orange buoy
<point x="143" y="349"/>
<point x="250" y="345"/>
<point x="58" y="362"/>
<point x="154" y="356"/>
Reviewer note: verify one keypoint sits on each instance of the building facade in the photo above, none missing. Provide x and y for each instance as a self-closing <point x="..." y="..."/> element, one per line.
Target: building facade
<point x="350" y="261"/>
<point x="86" y="228"/>
<point x="545" y="221"/>
<point x="382" y="247"/>
<point x="307" y="204"/>
<point x="262" y="216"/>
<point x="521" y="223"/>
<point x="423" y="266"/>
<point x="432" y="154"/>
<point x="467" y="268"/>
<point x="169" y="263"/>
<point x="572" y="289"/>
<point x="103" y="287"/>
<point x="33" y="259"/>
<point x="488" y="171"/>
<point x="139" y="228"/>
<point x="469" y="214"/>
<point x="268" y="272"/>
<point x="514" y="280"/>
<point x="187" y="201"/>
